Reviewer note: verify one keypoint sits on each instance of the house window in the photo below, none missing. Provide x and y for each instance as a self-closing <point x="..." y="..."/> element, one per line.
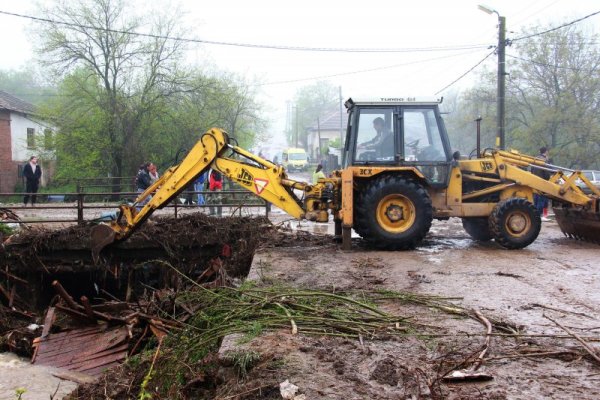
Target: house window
<point x="30" y="138"/>
<point x="48" y="139"/>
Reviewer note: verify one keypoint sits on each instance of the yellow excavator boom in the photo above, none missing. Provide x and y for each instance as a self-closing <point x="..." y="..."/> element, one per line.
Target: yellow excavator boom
<point x="259" y="176"/>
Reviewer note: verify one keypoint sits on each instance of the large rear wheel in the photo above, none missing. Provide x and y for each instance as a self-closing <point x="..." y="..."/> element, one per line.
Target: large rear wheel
<point x="392" y="212"/>
<point x="478" y="228"/>
<point x="515" y="223"/>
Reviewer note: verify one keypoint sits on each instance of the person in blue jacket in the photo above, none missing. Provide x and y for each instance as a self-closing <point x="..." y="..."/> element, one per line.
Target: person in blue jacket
<point x="199" y="187"/>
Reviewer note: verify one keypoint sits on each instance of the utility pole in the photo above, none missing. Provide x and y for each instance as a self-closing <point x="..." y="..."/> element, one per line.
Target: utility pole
<point x="288" y="120"/>
<point x="319" y="139"/>
<point x="501" y="142"/>
<point x="341" y="122"/>
<point x="296" y="141"/>
<point x="500" y="106"/>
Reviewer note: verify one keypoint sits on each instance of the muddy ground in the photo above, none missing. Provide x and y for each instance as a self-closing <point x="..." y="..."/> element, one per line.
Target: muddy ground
<point x="555" y="276"/>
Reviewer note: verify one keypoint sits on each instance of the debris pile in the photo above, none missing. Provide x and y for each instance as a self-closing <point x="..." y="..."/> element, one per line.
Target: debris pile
<point x="49" y="284"/>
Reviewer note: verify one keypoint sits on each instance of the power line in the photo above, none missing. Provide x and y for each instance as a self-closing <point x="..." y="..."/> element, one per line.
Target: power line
<point x="535" y="12"/>
<point x="365" y="70"/>
<point x="254" y="45"/>
<point x="556" y="28"/>
<point x="554" y="65"/>
<point x="309" y="78"/>
<point x="466" y="73"/>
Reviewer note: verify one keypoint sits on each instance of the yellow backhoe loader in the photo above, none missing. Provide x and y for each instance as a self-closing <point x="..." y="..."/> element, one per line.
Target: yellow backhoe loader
<point x="398" y="173"/>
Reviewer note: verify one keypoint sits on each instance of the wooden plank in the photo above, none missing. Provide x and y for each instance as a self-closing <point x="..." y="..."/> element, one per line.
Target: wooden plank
<point x="72" y="332"/>
<point x="99" y="358"/>
<point x="102" y="361"/>
<point x="64" y="351"/>
<point x="74" y="363"/>
<point x="57" y="346"/>
<point x="48" y="321"/>
<point x="50" y="353"/>
<point x="74" y="354"/>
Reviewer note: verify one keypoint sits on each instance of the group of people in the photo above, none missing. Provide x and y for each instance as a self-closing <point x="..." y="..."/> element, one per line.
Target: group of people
<point x="215" y="184"/>
<point x="147" y="175"/>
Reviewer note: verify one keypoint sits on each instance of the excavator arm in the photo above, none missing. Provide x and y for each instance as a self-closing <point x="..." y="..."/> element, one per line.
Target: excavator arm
<point x="257" y="175"/>
<point x="577" y="212"/>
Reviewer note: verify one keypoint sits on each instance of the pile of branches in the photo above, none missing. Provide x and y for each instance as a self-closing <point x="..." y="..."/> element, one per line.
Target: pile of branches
<point x="174" y="240"/>
<point x="210" y="314"/>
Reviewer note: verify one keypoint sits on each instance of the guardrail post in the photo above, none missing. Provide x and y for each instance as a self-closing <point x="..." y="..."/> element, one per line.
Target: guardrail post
<point x="79" y="204"/>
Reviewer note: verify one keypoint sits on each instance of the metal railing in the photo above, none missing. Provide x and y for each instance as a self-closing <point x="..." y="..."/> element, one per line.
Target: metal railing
<point x="234" y="200"/>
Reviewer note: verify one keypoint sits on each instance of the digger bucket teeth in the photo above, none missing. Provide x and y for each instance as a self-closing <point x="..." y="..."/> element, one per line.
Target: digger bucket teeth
<point x="102" y="235"/>
<point x="578" y="224"/>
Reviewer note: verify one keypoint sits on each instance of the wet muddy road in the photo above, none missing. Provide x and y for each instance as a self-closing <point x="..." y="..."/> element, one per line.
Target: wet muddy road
<point x="556" y="277"/>
<point x="553" y="272"/>
<point x="38" y="382"/>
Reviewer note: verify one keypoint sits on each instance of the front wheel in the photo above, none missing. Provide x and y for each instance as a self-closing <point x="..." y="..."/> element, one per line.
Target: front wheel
<point x="392" y="212"/>
<point x="514" y="223"/>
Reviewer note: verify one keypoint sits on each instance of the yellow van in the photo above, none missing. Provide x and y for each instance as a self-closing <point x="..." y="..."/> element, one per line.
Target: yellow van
<point x="294" y="159"/>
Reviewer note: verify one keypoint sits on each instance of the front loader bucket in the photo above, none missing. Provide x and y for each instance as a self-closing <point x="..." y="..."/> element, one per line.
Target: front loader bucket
<point x="101" y="236"/>
<point x="578" y="223"/>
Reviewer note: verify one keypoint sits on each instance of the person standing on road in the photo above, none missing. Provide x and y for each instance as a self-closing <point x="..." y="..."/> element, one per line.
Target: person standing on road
<point x="32" y="173"/>
<point x="540" y="201"/>
<point x="199" y="187"/>
<point x="318" y="174"/>
<point x="215" y="184"/>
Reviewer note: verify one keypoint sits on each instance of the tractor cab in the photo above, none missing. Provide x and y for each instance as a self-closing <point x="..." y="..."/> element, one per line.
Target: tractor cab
<point x="399" y="131"/>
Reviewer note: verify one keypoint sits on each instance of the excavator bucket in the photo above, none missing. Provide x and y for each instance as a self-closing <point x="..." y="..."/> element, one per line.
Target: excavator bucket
<point x="578" y="223"/>
<point x="101" y="236"/>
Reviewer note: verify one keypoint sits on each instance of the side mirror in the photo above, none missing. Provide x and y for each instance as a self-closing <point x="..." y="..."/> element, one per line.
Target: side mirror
<point x="456" y="155"/>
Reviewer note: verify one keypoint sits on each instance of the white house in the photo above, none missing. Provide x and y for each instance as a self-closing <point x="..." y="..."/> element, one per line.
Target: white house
<point x="332" y="126"/>
<point x="21" y="132"/>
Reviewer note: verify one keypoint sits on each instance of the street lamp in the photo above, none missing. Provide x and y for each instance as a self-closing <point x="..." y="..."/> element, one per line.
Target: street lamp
<point x="500" y="141"/>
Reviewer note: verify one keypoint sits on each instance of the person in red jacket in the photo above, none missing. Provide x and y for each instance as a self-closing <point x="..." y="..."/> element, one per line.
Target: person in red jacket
<point x="215" y="184"/>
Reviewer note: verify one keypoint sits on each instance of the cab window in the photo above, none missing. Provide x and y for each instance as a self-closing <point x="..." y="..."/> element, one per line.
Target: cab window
<point x="422" y="140"/>
<point x="375" y="135"/>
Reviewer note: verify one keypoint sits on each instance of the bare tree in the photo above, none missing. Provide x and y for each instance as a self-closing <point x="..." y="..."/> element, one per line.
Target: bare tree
<point x="132" y="72"/>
